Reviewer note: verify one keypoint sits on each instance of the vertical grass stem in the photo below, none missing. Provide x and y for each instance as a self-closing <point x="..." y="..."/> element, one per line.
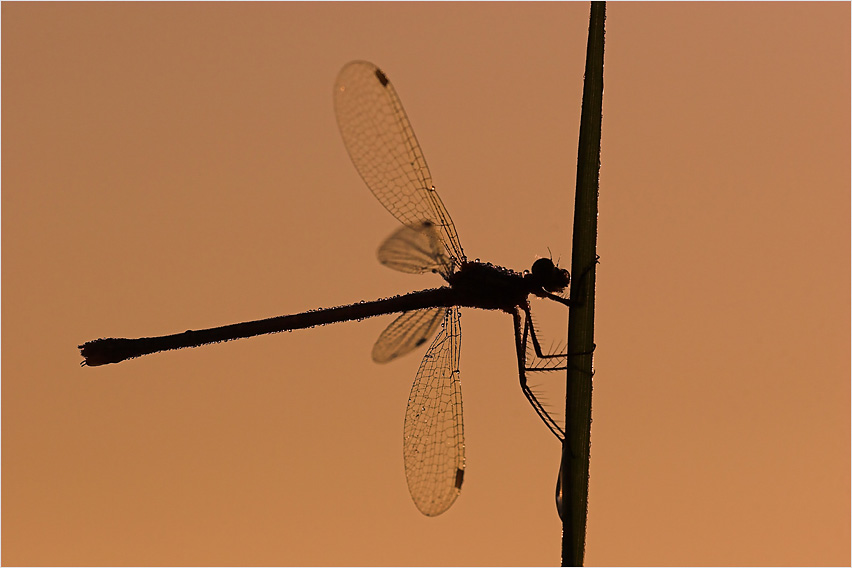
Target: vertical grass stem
<point x="578" y="405"/>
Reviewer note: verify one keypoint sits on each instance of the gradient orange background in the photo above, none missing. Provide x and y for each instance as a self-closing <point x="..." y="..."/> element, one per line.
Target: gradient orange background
<point x="175" y="166"/>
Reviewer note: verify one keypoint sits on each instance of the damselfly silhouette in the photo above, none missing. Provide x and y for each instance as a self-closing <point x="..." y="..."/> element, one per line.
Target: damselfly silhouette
<point x="379" y="138"/>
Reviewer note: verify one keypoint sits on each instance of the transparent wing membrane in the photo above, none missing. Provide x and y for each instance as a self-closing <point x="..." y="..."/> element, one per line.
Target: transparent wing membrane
<point x="382" y="145"/>
<point x="406" y="333"/>
<point x="416" y="249"/>
<point x="433" y="437"/>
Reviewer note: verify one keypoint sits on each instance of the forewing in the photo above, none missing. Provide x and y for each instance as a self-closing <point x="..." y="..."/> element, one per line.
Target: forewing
<point x="379" y="138"/>
<point x="416" y="249"/>
<point x="407" y="332"/>
<point x="433" y="437"/>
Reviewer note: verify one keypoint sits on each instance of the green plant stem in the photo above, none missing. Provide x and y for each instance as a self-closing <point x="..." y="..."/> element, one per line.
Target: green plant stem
<point x="578" y="405"/>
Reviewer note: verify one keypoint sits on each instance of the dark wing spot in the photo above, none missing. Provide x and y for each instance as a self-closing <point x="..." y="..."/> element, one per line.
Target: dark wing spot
<point x="459" y="478"/>
<point x="421" y="341"/>
<point x="381" y="77"/>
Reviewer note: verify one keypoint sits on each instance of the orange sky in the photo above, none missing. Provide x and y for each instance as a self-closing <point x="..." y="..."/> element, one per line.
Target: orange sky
<point x="175" y="166"/>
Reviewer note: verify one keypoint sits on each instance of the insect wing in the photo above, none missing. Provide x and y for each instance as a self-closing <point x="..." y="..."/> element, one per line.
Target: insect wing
<point x="407" y="332"/>
<point x="382" y="145"/>
<point x="433" y="436"/>
<point x="416" y="249"/>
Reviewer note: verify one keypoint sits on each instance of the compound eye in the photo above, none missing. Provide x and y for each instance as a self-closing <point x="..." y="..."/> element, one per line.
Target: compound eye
<point x="543" y="269"/>
<point x="550" y="277"/>
<point x="558" y="281"/>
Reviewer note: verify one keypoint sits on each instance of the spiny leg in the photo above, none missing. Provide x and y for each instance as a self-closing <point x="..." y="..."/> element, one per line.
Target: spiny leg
<point x="529" y="331"/>
<point x="521" y="336"/>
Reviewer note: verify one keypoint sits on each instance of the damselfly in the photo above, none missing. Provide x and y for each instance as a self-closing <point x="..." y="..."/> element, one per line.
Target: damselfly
<point x="379" y="138"/>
